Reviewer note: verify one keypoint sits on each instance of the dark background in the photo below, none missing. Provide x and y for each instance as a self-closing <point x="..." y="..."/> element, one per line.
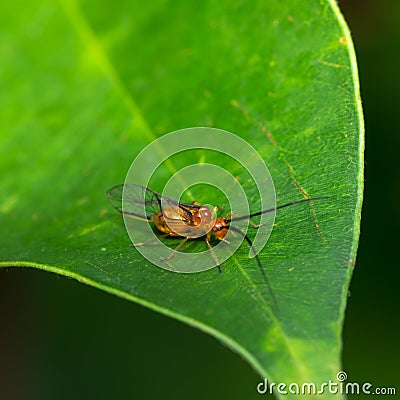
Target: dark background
<point x="61" y="339"/>
<point x="371" y="331"/>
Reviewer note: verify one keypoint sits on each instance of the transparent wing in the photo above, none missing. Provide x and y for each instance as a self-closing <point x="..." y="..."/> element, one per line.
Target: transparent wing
<point x="141" y="202"/>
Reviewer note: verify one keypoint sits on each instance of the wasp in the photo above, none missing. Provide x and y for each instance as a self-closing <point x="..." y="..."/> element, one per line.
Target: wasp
<point x="176" y="219"/>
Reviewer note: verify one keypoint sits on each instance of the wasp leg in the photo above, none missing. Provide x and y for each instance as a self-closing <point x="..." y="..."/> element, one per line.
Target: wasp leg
<point x="217" y="263"/>
<point x="214" y="212"/>
<point x="226" y="241"/>
<point x="176" y="249"/>
<point x="149" y="240"/>
<point x="221" y="209"/>
<point x="229" y="216"/>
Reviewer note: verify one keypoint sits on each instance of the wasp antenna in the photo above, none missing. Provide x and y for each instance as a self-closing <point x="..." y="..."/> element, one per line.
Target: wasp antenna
<point x="292" y="203"/>
<point x="264" y="275"/>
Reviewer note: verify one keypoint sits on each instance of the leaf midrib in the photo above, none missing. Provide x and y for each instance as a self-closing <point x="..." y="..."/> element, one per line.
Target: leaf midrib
<point x="82" y="27"/>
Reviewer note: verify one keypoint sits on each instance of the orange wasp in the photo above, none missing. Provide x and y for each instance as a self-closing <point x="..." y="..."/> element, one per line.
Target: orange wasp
<point x="177" y="219"/>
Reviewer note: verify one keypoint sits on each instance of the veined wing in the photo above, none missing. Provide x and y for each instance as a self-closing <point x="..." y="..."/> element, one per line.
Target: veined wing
<point x="141" y="202"/>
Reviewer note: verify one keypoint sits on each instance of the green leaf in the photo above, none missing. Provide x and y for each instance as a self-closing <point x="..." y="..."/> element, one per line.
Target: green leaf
<point x="86" y="87"/>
